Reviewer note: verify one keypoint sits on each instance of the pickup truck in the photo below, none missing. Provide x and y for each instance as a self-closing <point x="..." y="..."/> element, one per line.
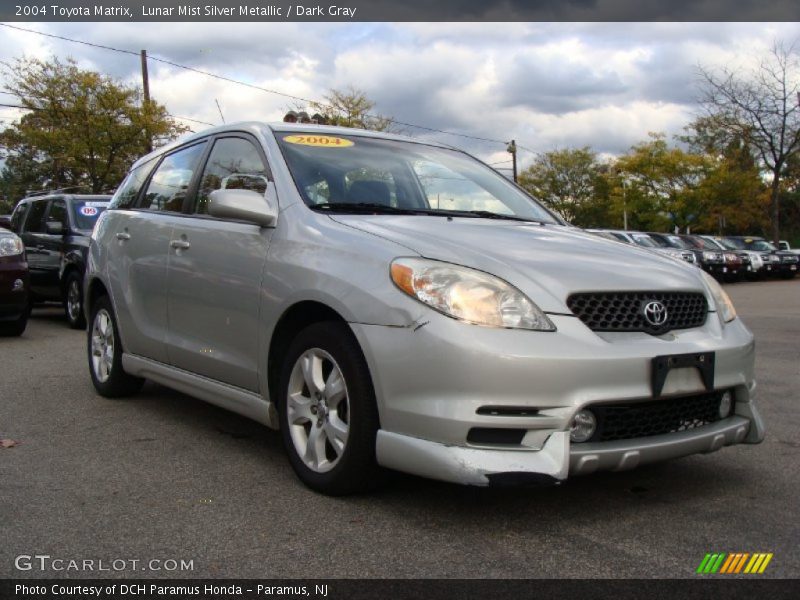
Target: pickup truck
<point x="784" y="245"/>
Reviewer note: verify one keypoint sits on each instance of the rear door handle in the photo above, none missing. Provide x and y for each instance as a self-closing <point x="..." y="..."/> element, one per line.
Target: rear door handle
<point x="180" y="244"/>
<point x="122" y="236"/>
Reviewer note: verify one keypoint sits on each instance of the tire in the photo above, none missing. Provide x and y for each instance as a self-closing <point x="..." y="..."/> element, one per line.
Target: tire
<point x="15" y="328"/>
<point x="341" y="419"/>
<point x="73" y="301"/>
<point x="104" y="351"/>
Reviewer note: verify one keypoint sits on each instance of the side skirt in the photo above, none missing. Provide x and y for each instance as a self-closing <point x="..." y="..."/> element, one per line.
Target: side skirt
<point x="246" y="403"/>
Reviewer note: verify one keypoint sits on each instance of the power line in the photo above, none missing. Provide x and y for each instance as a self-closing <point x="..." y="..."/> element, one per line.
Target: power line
<point x="17" y="106"/>
<point x="66" y="39"/>
<point x="250" y="85"/>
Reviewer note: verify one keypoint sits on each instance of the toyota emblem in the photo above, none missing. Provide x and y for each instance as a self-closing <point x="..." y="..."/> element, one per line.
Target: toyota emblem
<point x="655" y="313"/>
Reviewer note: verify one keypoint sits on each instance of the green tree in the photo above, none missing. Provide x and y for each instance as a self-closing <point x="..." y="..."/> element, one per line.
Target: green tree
<point x="571" y="182"/>
<point x="662" y="184"/>
<point x="81" y="128"/>
<point x="734" y="193"/>
<point x="351" y="107"/>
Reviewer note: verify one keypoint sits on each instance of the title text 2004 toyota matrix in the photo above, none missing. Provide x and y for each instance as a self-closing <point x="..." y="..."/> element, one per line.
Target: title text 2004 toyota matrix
<point x="390" y="303"/>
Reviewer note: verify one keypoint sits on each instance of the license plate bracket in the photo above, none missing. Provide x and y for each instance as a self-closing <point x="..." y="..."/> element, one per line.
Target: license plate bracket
<point x="660" y="366"/>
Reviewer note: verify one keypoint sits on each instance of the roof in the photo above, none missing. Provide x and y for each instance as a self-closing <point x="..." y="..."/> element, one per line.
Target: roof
<point x="256" y="127"/>
<point x="70" y="196"/>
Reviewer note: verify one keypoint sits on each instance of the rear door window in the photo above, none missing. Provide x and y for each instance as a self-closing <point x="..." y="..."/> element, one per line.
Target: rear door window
<point x="169" y="186"/>
<point x="35" y="221"/>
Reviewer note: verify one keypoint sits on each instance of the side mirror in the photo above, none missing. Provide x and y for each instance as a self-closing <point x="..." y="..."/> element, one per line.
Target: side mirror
<point x="5" y="222"/>
<point x="54" y="228"/>
<point x="245" y="205"/>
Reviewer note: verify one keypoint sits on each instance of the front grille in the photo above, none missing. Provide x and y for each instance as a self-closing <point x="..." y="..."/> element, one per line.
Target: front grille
<point x="643" y="419"/>
<point x="624" y="311"/>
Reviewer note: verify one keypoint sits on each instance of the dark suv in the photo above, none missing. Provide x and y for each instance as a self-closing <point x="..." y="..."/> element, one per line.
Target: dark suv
<point x="55" y="230"/>
<point x="776" y="262"/>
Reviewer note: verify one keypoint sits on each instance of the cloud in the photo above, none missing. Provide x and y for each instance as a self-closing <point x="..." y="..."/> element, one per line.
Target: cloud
<point x="546" y="85"/>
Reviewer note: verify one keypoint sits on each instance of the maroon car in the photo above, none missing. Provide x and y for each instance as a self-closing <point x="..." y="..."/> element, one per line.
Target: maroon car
<point x="14" y="279"/>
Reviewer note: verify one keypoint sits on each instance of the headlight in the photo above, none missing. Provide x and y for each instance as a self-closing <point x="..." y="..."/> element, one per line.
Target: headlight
<point x="468" y="294"/>
<point x="721" y="300"/>
<point x="10" y="245"/>
<point x="709" y="256"/>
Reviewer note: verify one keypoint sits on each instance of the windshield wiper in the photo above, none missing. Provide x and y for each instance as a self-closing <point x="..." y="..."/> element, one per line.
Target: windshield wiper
<point x="487" y="214"/>
<point x="374" y="208"/>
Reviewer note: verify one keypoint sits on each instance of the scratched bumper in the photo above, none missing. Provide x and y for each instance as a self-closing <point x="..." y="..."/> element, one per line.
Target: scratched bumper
<point x="436" y="383"/>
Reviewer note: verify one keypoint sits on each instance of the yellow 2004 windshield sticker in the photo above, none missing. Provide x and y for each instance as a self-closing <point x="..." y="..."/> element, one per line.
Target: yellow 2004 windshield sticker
<point x="324" y="141"/>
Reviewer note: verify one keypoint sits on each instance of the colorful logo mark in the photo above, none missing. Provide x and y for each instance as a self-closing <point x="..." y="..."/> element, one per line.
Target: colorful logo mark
<point x="734" y="563"/>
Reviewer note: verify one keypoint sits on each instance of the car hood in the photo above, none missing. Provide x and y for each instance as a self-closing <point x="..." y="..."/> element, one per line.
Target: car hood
<point x="546" y="262"/>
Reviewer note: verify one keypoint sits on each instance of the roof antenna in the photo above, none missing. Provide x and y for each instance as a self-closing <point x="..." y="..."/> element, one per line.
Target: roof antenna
<point x="220" y="111"/>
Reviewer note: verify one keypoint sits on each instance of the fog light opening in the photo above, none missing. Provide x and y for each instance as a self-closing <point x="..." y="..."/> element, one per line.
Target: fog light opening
<point x="583" y="426"/>
<point x="725" y="405"/>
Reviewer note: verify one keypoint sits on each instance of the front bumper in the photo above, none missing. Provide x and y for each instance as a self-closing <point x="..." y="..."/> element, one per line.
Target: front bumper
<point x="557" y="458"/>
<point x="438" y="379"/>
<point x="13" y="297"/>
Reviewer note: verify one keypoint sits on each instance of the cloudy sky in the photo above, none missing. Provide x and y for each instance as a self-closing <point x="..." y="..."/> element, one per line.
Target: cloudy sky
<point x="549" y="86"/>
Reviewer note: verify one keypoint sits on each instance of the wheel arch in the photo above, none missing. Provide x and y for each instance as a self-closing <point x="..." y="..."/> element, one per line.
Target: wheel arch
<point x="293" y="320"/>
<point x="95" y="290"/>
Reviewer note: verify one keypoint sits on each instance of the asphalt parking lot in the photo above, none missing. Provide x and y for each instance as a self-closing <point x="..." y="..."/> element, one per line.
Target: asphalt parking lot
<point x="163" y="476"/>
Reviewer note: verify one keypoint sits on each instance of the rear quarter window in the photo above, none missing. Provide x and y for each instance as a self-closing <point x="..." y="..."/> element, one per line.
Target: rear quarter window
<point x="128" y="191"/>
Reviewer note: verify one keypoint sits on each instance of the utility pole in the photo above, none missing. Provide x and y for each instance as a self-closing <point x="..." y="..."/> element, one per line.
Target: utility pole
<point x="512" y="149"/>
<point x="624" y="206"/>
<point x="146" y="102"/>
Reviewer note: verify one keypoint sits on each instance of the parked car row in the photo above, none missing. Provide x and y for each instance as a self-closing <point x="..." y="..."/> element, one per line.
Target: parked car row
<point x="55" y="230"/>
<point x="729" y="258"/>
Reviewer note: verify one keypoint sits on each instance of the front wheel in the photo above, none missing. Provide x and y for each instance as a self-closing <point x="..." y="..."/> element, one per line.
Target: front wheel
<point x="105" y="354"/>
<point x="328" y="414"/>
<point x="73" y="301"/>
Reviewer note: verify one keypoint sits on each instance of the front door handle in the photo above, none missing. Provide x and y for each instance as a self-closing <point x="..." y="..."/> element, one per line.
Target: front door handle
<point x="123" y="237"/>
<point x="180" y="244"/>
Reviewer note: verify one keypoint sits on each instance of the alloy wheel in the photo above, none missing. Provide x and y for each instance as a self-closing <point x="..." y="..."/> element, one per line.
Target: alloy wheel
<point x="318" y="410"/>
<point x="102" y="345"/>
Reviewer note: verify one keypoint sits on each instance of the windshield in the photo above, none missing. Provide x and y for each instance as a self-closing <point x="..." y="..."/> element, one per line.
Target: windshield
<point x="733" y="243"/>
<point x="677" y="242"/>
<point x="361" y="174"/>
<point x="712" y="244"/>
<point x="644" y="240"/>
<point x="85" y="212"/>
<point x="761" y="246"/>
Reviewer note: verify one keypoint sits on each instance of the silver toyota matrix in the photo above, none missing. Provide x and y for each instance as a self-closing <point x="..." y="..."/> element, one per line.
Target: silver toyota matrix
<point x="388" y="303"/>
